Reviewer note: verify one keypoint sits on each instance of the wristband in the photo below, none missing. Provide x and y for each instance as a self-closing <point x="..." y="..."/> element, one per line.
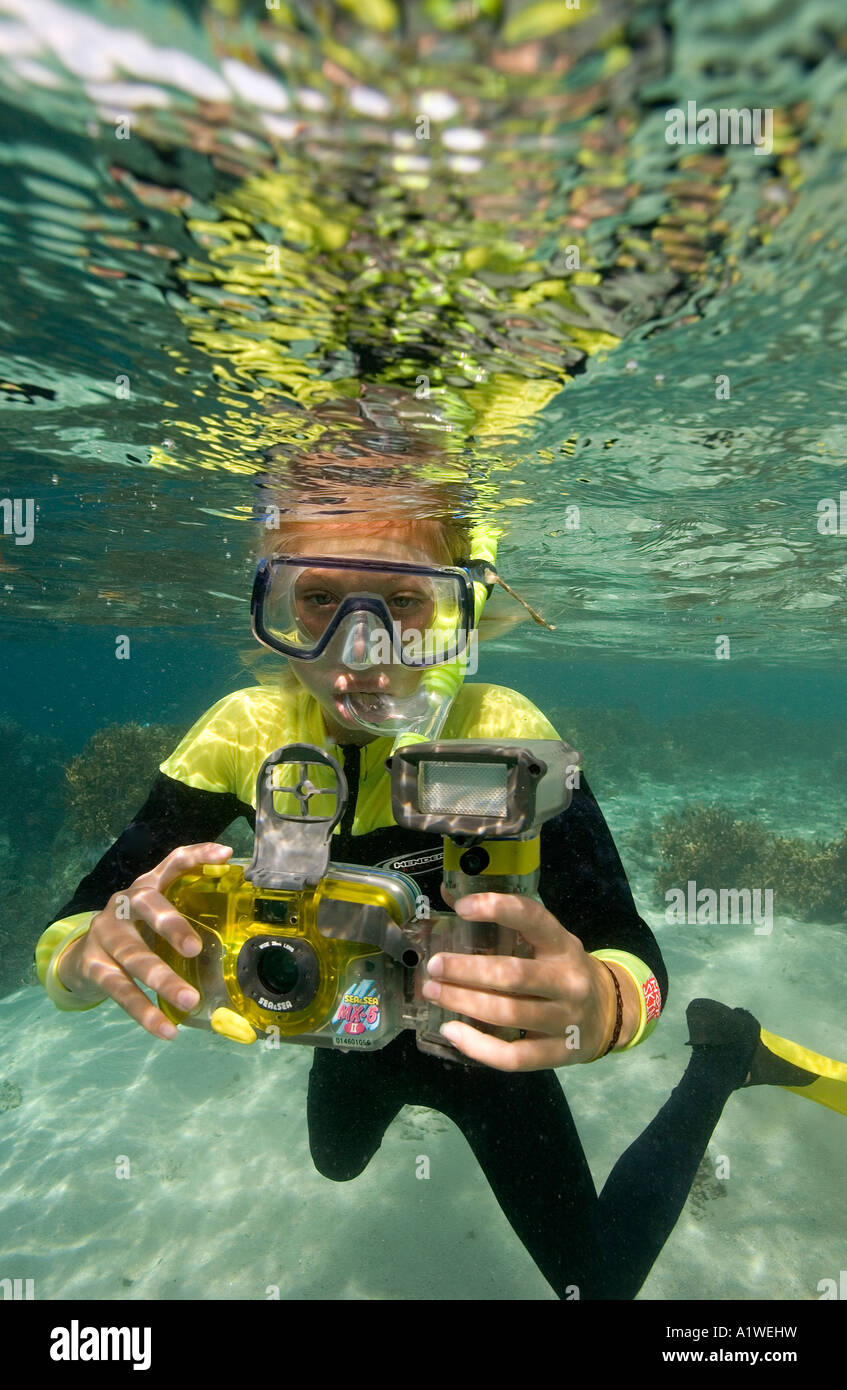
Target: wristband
<point x="616" y="1031"/>
<point x="60" y="936"/>
<point x="649" y="994"/>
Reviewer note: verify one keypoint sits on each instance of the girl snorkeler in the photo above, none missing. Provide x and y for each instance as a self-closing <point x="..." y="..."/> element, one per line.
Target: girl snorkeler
<point x="594" y="962"/>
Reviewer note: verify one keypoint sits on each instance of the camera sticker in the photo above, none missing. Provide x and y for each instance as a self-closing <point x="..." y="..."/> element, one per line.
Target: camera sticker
<point x="359" y="1011"/>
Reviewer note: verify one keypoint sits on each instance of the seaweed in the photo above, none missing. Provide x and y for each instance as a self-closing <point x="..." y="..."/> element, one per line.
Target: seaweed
<point x="710" y="845"/>
<point x="109" y="780"/>
<point x="60" y="818"/>
<point x="32" y="814"/>
<point x="611" y="742"/>
<point x="809" y="879"/>
<point x="620" y="747"/>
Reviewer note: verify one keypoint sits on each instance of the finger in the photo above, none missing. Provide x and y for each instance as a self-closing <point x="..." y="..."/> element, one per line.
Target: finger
<point x="503" y="1009"/>
<point x="138" y="962"/>
<point x="510" y="974"/>
<point x="113" y="981"/>
<point x="539" y="927"/>
<point x="527" y="1054"/>
<point x="146" y="895"/>
<point x="157" y="912"/>
<point x="183" y="860"/>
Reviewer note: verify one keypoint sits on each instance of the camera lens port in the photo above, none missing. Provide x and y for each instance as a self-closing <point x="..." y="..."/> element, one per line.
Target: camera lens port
<point x="280" y="973"/>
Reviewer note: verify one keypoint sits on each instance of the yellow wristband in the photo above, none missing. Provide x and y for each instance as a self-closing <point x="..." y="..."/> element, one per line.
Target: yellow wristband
<point x="649" y="994"/>
<point x="71" y="930"/>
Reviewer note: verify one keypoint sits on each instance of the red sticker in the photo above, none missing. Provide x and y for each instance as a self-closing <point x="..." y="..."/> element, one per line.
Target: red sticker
<point x="653" y="995"/>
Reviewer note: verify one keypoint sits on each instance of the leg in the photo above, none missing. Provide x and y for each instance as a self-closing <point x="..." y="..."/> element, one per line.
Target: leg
<point x="648" y="1186"/>
<point x="524" y="1138"/>
<point x="352" y="1099"/>
<point x="523" y="1135"/>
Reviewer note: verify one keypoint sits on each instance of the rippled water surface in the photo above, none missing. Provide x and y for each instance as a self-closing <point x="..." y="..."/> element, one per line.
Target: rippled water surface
<point x="212" y="223"/>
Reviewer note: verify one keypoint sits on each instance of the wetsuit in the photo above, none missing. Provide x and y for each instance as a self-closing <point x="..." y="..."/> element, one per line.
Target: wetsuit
<point x="518" y="1124"/>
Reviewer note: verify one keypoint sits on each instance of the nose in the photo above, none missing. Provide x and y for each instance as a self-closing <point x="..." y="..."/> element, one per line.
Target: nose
<point x="358" y="653"/>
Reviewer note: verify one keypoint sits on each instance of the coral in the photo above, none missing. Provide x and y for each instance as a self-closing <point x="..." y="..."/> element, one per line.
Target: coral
<point x="620" y="747"/>
<point x="809" y="880"/>
<point x="10" y="1095"/>
<point x="76" y="813"/>
<point x="711" y="846"/>
<point x="109" y="780"/>
<point x="704" y="1189"/>
<point x="31" y="817"/>
<point x="610" y="741"/>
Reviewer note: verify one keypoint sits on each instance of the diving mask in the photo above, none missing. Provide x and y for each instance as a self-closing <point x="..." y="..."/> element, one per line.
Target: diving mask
<point x="360" y="617"/>
<point x="416" y="615"/>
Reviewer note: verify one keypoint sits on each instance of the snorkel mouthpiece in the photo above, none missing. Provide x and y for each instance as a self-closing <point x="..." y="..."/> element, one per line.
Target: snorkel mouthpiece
<point x="383" y="714"/>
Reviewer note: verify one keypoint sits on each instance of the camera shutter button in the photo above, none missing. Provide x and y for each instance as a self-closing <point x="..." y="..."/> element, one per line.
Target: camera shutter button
<point x="231" y="1025"/>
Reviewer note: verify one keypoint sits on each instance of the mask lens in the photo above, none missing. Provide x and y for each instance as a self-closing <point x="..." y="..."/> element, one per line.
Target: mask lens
<point x="422" y="613"/>
<point x="410" y="600"/>
<point x="314" y="600"/>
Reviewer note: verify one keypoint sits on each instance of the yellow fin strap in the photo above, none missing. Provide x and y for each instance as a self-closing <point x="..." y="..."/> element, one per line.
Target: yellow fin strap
<point x="55" y="941"/>
<point x="649" y="994"/>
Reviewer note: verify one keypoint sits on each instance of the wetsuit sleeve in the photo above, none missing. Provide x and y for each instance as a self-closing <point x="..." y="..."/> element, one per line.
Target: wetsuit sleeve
<point x="584" y="885"/>
<point x="174" y="814"/>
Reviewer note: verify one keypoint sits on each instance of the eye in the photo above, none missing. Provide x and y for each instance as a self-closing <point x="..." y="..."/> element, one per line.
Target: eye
<point x="317" y="598"/>
<point x="406" y="602"/>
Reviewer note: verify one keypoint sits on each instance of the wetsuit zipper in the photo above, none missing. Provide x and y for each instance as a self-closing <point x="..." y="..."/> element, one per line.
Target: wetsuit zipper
<point x="351" y="754"/>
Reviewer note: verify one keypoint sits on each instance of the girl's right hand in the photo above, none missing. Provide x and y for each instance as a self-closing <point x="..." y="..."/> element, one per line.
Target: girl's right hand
<point x="112" y="953"/>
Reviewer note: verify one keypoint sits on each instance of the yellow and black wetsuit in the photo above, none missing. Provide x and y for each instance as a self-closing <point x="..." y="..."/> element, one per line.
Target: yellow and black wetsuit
<point x="518" y="1124"/>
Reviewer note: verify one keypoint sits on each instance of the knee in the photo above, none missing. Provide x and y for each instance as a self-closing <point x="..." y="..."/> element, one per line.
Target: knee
<point x="338" y="1165"/>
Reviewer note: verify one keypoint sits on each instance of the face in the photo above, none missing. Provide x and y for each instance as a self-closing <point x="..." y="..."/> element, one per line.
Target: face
<point x="318" y="594"/>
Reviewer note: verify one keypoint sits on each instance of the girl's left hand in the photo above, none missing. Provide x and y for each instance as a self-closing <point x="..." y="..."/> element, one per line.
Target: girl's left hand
<point x="563" y="998"/>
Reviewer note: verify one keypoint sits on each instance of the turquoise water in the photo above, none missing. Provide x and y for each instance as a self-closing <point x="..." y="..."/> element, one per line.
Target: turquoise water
<point x="217" y="223"/>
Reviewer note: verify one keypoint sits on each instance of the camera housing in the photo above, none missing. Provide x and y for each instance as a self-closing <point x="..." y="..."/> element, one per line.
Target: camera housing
<point x="299" y="949"/>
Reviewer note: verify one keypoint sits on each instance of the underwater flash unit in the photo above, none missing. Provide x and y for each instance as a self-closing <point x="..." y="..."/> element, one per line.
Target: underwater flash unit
<point x="488" y="800"/>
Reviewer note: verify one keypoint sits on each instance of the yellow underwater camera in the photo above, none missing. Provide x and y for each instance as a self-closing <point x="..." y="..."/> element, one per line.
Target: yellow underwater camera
<point x="299" y="949"/>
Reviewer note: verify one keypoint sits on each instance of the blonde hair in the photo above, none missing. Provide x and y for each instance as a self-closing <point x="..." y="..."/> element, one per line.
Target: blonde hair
<point x="446" y="539"/>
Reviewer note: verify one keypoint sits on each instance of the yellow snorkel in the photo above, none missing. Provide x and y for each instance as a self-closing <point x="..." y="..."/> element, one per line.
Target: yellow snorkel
<point x="442" y="683"/>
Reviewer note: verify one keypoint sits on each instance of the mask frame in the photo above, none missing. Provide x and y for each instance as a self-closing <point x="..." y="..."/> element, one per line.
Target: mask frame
<point x="355" y="603"/>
